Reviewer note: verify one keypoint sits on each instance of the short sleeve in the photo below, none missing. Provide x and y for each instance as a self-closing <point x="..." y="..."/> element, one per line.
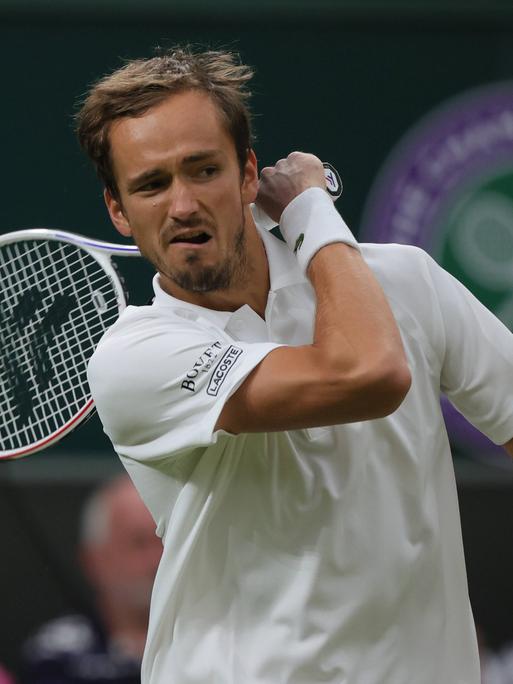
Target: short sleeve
<point x="477" y="368"/>
<point x="159" y="386"/>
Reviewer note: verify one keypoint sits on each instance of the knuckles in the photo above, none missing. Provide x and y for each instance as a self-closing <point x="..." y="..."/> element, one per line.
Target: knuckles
<point x="295" y="162"/>
<point x="279" y="184"/>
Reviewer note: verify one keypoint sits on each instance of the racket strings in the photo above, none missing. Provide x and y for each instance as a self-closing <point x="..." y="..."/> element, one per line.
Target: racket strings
<point x="56" y="303"/>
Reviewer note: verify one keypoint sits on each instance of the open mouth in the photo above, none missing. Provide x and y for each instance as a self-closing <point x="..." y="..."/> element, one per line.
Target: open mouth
<point x="199" y="238"/>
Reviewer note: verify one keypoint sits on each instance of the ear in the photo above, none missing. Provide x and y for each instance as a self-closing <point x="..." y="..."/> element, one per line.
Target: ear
<point x="249" y="188"/>
<point x="116" y="213"/>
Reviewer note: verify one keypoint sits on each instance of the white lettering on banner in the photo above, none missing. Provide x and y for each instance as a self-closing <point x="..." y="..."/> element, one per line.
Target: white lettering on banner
<point x="202" y="365"/>
<point x="222" y="369"/>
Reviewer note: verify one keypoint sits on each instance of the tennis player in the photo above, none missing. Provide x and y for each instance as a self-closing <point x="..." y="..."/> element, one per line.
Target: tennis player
<point x="277" y="406"/>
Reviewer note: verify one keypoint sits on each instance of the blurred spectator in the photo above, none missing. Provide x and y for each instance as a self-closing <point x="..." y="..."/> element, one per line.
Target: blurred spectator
<point x="119" y="554"/>
<point x="496" y="666"/>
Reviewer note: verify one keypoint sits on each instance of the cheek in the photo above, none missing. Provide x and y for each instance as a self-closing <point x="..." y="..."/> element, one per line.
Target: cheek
<point x="230" y="205"/>
<point x="147" y="212"/>
<point x="146" y="225"/>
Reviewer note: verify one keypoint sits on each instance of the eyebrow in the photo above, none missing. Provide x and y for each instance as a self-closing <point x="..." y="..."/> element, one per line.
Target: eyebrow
<point x="201" y="155"/>
<point x="146" y="176"/>
<point x="142" y="178"/>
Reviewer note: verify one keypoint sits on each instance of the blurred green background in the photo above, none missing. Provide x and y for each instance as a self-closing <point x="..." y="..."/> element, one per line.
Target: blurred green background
<point x="344" y="80"/>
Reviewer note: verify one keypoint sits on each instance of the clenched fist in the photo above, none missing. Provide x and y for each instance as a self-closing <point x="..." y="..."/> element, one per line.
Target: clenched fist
<point x="279" y="184"/>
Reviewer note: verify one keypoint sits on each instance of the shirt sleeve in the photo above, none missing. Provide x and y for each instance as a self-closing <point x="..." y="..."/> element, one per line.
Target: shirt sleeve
<point x="159" y="387"/>
<point x="477" y="367"/>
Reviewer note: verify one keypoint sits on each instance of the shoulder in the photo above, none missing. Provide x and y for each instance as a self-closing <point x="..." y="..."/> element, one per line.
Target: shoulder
<point x="407" y="274"/>
<point x="397" y="263"/>
<point x="146" y="374"/>
<point x="135" y="321"/>
<point x="140" y="337"/>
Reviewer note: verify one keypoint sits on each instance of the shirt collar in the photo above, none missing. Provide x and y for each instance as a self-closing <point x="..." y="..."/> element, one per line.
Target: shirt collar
<point x="284" y="271"/>
<point x="186" y="309"/>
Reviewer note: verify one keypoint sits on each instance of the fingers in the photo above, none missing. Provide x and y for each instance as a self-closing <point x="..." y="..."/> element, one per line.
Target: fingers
<point x="288" y="178"/>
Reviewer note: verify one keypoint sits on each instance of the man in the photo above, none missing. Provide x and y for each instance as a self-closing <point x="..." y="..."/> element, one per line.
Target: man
<point x="119" y="553"/>
<point x="262" y="405"/>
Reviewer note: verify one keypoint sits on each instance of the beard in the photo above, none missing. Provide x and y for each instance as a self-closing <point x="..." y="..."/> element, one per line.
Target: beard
<point x="230" y="271"/>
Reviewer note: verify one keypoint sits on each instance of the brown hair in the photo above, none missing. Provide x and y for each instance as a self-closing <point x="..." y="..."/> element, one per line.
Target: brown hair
<point x="143" y="83"/>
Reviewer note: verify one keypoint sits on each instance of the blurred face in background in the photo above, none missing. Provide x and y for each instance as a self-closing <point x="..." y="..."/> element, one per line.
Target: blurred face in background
<point x="122" y="561"/>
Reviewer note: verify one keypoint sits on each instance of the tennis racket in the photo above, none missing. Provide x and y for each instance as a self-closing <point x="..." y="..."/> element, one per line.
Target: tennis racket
<point x="60" y="293"/>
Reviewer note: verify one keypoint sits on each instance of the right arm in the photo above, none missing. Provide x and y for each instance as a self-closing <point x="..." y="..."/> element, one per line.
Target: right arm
<point x="354" y="370"/>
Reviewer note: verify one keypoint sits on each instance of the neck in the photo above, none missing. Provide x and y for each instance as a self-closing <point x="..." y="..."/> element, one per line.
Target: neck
<point x="252" y="287"/>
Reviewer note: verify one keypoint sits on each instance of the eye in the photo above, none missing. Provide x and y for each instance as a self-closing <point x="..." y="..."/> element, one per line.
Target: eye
<point x="208" y="171"/>
<point x="151" y="186"/>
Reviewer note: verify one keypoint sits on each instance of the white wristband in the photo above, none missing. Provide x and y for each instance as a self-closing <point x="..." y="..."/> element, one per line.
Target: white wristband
<point x="310" y="222"/>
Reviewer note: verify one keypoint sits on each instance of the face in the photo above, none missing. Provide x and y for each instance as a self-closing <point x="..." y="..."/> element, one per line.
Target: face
<point x="123" y="565"/>
<point x="182" y="195"/>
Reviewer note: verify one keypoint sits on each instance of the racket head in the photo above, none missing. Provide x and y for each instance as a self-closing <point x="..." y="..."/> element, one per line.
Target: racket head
<point x="60" y="293"/>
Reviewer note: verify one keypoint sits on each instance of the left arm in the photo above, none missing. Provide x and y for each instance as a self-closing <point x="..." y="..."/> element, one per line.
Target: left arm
<point x="477" y="368"/>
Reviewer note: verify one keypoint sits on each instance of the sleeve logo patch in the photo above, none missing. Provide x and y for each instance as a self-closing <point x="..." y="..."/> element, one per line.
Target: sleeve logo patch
<point x="202" y="365"/>
<point x="222" y="369"/>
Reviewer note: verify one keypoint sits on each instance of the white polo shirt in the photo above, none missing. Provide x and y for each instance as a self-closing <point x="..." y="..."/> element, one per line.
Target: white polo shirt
<point x="330" y="555"/>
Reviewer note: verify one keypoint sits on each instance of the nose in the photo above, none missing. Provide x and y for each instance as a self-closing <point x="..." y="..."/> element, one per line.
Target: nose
<point x="182" y="202"/>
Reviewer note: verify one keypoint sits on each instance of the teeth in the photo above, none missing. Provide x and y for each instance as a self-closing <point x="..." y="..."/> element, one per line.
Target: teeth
<point x="189" y="236"/>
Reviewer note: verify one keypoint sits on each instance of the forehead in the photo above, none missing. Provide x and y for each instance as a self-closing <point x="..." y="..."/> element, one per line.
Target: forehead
<point x="127" y="511"/>
<point x="174" y="128"/>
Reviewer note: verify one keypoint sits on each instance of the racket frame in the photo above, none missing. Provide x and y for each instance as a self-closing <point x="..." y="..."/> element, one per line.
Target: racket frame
<point x="102" y="252"/>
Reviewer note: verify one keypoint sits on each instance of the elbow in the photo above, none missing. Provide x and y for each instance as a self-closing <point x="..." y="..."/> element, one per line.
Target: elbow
<point x="379" y="390"/>
<point x="390" y="387"/>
